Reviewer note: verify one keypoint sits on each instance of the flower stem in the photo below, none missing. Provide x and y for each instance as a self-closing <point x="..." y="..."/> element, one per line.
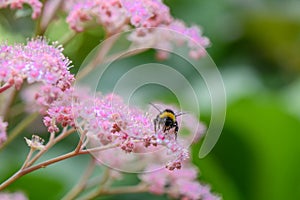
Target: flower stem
<point x="44" y="164"/>
<point x="51" y="142"/>
<point x="46" y="18"/>
<point x="7" y="104"/>
<point x="19" y="128"/>
<point x="124" y="54"/>
<point x="38" y="29"/>
<point x="27" y="158"/>
<point x="67" y="38"/>
<point x="25" y="171"/>
<point x="82" y="136"/>
<point x="5" y="87"/>
<point x="81" y="185"/>
<point x="126" y="190"/>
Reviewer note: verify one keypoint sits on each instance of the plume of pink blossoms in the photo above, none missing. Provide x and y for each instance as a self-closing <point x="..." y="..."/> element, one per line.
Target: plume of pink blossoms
<point x="114" y="14"/>
<point x="145" y="15"/>
<point x="179" y="184"/>
<point x="3" y="135"/>
<point x="18" y="4"/>
<point x="37" y="61"/>
<point x="108" y="120"/>
<point x="109" y="13"/>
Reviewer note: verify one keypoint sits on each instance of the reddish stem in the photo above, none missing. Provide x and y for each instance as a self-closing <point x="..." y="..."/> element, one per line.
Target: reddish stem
<point x="5" y="87"/>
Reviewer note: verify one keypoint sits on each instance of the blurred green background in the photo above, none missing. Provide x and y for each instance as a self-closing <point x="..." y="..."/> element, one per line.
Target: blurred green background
<point x="256" y="45"/>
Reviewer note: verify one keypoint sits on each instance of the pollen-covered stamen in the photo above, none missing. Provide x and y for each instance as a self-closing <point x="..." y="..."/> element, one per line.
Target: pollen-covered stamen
<point x="150" y="140"/>
<point x="127" y="146"/>
<point x="173" y="165"/>
<point x="115" y="128"/>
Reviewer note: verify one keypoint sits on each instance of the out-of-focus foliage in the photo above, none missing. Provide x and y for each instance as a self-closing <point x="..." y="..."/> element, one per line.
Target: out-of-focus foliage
<point x="256" y="45"/>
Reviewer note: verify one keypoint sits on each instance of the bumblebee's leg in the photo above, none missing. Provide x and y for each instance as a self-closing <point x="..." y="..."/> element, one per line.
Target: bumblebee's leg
<point x="159" y="122"/>
<point x="165" y="129"/>
<point x="155" y="124"/>
<point x="176" y="129"/>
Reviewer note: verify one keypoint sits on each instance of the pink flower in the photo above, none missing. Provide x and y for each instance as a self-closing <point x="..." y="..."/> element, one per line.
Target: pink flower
<point x="147" y="14"/>
<point x="3" y="126"/>
<point x="115" y="15"/>
<point x="166" y="37"/>
<point x="108" y="13"/>
<point x="12" y="196"/>
<point x="59" y="115"/>
<point x="193" y="35"/>
<point x="58" y="106"/>
<point x="177" y="184"/>
<point x="36" y="62"/>
<point x="18" y="4"/>
<point x="158" y="179"/>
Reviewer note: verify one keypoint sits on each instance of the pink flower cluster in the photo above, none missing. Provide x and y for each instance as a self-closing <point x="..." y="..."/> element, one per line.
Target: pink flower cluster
<point x="12" y="196"/>
<point x="108" y="120"/>
<point x="58" y="107"/>
<point x="18" y="4"/>
<point x="117" y="14"/>
<point x="3" y="126"/>
<point x="59" y="115"/>
<point x="130" y="128"/>
<point x="178" y="34"/>
<point x="181" y="184"/>
<point x="147" y="14"/>
<point x="108" y="13"/>
<point x="36" y="62"/>
<point x="152" y="18"/>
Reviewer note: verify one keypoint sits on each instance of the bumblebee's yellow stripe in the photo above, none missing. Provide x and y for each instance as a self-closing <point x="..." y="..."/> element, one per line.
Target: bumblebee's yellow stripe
<point x="167" y="114"/>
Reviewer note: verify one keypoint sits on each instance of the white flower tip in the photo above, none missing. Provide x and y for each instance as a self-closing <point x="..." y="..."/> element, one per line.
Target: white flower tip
<point x="36" y="143"/>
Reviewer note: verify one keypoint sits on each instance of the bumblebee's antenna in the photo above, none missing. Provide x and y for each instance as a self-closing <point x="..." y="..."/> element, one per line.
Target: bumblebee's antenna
<point x="181" y="113"/>
<point x="155" y="107"/>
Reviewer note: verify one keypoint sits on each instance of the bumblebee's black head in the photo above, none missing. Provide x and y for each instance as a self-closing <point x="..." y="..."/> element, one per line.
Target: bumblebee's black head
<point x="169" y="111"/>
<point x="168" y="115"/>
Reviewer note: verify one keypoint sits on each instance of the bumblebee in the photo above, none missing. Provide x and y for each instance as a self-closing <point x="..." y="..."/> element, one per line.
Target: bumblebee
<point x="166" y="120"/>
